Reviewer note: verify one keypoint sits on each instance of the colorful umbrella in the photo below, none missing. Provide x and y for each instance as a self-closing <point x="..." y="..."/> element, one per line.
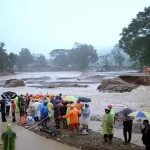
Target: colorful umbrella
<point x="140" y="114"/>
<point x="70" y="98"/>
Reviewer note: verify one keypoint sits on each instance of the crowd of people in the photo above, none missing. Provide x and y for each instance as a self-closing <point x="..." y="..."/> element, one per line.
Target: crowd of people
<point x="46" y="108"/>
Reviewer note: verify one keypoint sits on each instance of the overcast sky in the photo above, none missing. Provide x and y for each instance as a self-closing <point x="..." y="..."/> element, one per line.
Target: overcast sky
<point x="43" y="25"/>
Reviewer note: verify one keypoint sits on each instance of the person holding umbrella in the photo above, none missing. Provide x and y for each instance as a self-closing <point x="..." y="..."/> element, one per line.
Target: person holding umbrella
<point x="127" y="123"/>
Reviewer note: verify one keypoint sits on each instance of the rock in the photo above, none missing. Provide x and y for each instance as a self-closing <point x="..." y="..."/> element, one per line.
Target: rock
<point x="116" y="85"/>
<point x="95" y="118"/>
<point x="14" y="83"/>
<point x="26" y="127"/>
<point x="58" y="139"/>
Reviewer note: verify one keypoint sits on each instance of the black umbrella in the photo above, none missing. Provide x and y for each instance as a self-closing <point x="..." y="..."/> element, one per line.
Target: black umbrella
<point x="125" y="112"/>
<point x="84" y="99"/>
<point x="10" y="94"/>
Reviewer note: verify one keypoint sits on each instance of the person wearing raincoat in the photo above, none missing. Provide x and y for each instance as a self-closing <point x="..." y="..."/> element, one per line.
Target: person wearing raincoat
<point x="85" y="117"/>
<point x="108" y="125"/>
<point x="50" y="109"/>
<point x="68" y="119"/>
<point x="17" y="106"/>
<point x="112" y="112"/>
<point x="39" y="109"/>
<point x="9" y="139"/>
<point x="44" y="114"/>
<point x="36" y="104"/>
<point x="74" y="119"/>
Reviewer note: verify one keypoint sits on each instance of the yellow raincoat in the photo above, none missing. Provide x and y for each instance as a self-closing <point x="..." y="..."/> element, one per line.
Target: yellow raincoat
<point x="16" y="102"/>
<point x="50" y="109"/>
<point x="68" y="119"/>
<point x="108" y="123"/>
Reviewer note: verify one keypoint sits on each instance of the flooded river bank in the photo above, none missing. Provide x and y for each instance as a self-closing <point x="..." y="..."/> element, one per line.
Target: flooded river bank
<point x="139" y="99"/>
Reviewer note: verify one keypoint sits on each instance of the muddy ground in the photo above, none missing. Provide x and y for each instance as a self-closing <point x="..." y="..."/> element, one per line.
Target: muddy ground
<point x="93" y="141"/>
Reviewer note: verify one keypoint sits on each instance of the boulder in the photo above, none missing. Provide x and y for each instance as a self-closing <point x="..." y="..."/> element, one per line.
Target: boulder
<point x="14" y="83"/>
<point x="116" y="85"/>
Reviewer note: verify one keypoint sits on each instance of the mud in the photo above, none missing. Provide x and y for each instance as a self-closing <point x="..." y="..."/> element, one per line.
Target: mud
<point x="93" y="141"/>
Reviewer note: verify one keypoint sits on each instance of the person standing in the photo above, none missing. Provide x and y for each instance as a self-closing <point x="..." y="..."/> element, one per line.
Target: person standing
<point x="74" y="119"/>
<point x="8" y="100"/>
<point x="108" y="125"/>
<point x="63" y="113"/>
<point x="13" y="107"/>
<point x="112" y="112"/>
<point x="127" y="128"/>
<point x="44" y="114"/>
<point x="146" y="134"/>
<point x="3" y="105"/>
<point x="57" y="114"/>
<point x="85" y="117"/>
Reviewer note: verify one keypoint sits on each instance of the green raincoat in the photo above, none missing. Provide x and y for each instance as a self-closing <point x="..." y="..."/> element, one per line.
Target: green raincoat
<point x="16" y="102"/>
<point x="112" y="112"/>
<point x="9" y="139"/>
<point x="108" y="124"/>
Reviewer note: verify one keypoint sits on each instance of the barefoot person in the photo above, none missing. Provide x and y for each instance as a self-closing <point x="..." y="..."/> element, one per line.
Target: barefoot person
<point x="108" y="125"/>
<point x="74" y="120"/>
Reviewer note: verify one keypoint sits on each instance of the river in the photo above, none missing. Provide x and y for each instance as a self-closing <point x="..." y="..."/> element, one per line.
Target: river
<point x="138" y="99"/>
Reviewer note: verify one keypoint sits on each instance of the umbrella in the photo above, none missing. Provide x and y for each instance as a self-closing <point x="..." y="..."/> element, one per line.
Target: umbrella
<point x="140" y="114"/>
<point x="84" y="99"/>
<point x="126" y="111"/>
<point x="10" y="94"/>
<point x="70" y="98"/>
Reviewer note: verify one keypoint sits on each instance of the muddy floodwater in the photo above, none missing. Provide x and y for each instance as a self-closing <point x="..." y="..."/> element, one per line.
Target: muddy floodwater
<point x="138" y="99"/>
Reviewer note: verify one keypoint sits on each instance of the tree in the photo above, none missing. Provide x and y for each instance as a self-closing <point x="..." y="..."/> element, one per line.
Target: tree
<point x="118" y="57"/>
<point x="83" y="54"/>
<point x="40" y="60"/>
<point x="135" y="39"/>
<point x="26" y="57"/>
<point x="12" y="61"/>
<point x="19" y="62"/>
<point x="61" y="57"/>
<point x="3" y="58"/>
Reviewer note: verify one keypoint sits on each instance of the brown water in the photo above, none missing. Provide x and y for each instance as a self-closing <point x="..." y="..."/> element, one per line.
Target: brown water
<point x="138" y="98"/>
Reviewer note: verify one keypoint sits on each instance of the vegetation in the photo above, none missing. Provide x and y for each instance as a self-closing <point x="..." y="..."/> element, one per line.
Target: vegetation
<point x="118" y="57"/>
<point x="135" y="39"/>
<point x="7" y="61"/>
<point x="79" y="56"/>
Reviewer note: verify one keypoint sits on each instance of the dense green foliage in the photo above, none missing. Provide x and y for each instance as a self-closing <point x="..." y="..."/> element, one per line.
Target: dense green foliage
<point x="7" y="61"/>
<point x="135" y="39"/>
<point x="22" y="60"/>
<point x="79" y="56"/>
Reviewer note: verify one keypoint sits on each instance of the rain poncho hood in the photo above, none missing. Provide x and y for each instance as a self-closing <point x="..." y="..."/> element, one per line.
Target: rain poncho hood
<point x="9" y="139"/>
<point x="108" y="124"/>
